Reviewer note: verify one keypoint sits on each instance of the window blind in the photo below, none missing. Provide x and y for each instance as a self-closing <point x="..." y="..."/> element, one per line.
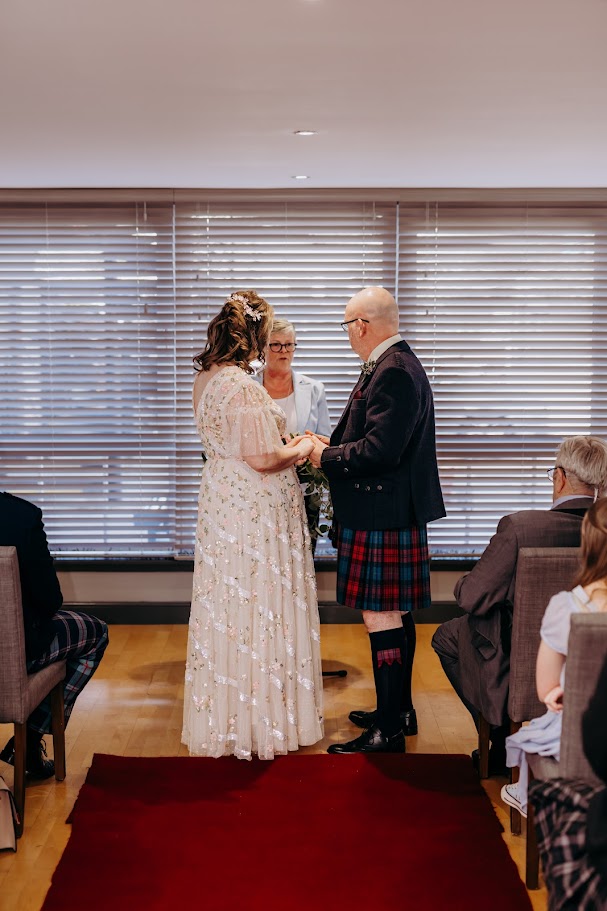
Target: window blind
<point x="506" y="308"/>
<point x="87" y="345"/>
<point x="103" y="305"/>
<point x="307" y="261"/>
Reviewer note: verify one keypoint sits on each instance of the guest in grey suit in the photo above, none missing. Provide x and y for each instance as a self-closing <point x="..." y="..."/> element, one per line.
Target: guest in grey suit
<point x="301" y="398"/>
<point x="474" y="650"/>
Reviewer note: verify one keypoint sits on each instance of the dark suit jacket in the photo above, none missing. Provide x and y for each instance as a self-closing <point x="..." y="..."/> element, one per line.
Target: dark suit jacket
<point x="381" y="463"/>
<point x="487" y="596"/>
<point x="21" y="525"/>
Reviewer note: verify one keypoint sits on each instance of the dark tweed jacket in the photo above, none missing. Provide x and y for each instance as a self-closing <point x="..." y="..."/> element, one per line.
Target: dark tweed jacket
<point x="381" y="463"/>
<point x="487" y="595"/>
<point x="21" y="525"/>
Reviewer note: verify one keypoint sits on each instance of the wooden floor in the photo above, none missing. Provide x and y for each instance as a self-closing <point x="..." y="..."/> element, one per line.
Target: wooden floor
<point x="133" y="707"/>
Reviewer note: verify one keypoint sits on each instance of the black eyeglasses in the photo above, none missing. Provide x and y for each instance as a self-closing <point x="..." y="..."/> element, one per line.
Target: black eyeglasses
<point x="345" y="325"/>
<point x="550" y="471"/>
<point x="278" y="346"/>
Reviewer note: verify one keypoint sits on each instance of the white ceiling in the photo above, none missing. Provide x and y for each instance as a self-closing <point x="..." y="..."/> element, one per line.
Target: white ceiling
<point x="207" y="93"/>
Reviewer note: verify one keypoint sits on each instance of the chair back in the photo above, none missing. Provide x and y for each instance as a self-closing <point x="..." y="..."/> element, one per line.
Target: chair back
<point x="13" y="670"/>
<point x="541" y="572"/>
<point x="586" y="653"/>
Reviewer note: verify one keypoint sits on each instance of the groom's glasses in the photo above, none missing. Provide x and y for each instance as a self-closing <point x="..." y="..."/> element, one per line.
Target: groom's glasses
<point x="345" y="325"/>
<point x="278" y="346"/>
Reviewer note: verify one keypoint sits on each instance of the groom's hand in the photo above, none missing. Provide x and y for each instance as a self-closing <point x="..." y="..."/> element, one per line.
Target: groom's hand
<point x="316" y="454"/>
<point x="318" y="436"/>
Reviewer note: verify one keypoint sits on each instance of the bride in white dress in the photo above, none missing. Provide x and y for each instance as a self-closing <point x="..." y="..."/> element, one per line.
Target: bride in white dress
<point x="253" y="682"/>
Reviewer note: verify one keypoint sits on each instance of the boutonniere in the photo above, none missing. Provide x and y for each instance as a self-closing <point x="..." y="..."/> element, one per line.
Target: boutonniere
<point x="368" y="367"/>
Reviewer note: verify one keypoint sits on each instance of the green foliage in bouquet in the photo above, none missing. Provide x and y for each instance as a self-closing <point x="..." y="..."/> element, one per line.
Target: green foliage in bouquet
<point x="317" y="499"/>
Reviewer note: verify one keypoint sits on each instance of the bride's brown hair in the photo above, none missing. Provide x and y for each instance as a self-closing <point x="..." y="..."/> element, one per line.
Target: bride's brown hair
<point x="239" y="333"/>
<point x="594" y="545"/>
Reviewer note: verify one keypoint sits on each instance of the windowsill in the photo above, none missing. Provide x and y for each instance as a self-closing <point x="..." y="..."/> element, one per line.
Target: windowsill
<point x="170" y="564"/>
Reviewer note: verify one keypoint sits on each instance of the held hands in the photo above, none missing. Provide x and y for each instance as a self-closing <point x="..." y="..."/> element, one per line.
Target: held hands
<point x="318" y="436"/>
<point x="320" y="443"/>
<point x="304" y="445"/>
<point x="553" y="699"/>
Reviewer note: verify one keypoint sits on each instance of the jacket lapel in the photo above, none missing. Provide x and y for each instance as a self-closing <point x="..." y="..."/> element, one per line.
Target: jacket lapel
<point x="303" y="401"/>
<point x="362" y="381"/>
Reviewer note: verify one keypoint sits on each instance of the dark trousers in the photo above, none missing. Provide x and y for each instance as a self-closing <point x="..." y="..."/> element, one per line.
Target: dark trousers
<point x="80" y="640"/>
<point x="445" y="643"/>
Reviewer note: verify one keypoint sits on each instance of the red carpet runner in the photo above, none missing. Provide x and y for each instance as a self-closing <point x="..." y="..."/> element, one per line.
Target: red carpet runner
<point x="300" y="833"/>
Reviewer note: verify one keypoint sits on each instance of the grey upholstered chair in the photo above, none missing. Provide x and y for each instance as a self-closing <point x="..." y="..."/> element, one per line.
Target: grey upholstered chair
<point x="21" y="692"/>
<point x="541" y="572"/>
<point x="586" y="653"/>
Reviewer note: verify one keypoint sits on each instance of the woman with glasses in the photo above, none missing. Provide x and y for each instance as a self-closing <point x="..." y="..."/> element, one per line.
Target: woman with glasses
<point x="301" y="398"/>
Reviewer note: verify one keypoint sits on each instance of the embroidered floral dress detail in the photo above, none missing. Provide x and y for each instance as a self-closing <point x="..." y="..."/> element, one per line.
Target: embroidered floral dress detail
<point x="253" y="681"/>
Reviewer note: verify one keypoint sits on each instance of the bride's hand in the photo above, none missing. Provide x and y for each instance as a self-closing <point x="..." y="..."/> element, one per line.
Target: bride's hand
<point x="295" y="441"/>
<point x="305" y="446"/>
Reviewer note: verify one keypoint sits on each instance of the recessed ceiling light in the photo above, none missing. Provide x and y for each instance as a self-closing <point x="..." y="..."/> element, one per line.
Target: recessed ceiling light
<point x="304" y="132"/>
<point x="301" y="176"/>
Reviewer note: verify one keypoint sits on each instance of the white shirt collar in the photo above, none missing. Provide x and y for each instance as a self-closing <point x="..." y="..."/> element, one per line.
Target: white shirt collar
<point x="383" y="346"/>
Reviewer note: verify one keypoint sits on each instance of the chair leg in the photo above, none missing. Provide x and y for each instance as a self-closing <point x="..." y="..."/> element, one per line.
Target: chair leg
<point x="532" y="856"/>
<point x="515" y="816"/>
<point x="58" y="729"/>
<point x="19" y="776"/>
<point x="484" y="734"/>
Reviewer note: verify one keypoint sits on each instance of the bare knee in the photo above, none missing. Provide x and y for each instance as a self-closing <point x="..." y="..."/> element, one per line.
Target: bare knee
<point x="376" y="621"/>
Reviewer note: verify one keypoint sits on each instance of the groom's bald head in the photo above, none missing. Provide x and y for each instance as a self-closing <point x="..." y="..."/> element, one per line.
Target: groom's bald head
<point x="378" y="307"/>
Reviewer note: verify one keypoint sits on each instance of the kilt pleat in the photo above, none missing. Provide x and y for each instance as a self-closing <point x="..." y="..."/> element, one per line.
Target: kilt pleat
<point x="383" y="570"/>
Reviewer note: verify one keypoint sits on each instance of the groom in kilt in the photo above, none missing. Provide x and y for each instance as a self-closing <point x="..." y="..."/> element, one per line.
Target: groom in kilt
<point x="383" y="475"/>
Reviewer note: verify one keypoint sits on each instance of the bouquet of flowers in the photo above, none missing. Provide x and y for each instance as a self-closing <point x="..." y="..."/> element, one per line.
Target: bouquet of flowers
<point x="317" y="498"/>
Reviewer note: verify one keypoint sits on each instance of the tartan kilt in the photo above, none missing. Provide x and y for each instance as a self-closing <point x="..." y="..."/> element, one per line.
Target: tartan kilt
<point x="383" y="570"/>
<point x="561" y="812"/>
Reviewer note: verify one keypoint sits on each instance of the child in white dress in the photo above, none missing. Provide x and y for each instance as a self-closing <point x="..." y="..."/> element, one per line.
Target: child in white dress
<point x="542" y="736"/>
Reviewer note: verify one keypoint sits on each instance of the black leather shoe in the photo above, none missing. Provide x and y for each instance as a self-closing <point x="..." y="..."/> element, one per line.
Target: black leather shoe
<point x="497" y="763"/>
<point x="366" y="720"/>
<point x="36" y="765"/>
<point x="372" y="741"/>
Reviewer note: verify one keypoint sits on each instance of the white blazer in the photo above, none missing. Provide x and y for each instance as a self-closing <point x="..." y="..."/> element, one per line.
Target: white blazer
<point x="310" y="403"/>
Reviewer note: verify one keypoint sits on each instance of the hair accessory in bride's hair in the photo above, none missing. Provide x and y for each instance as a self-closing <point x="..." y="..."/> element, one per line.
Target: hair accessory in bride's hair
<point x="254" y="314"/>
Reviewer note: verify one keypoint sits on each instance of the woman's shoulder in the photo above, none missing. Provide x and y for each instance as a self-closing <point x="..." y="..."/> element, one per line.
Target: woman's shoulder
<point x="564" y="602"/>
<point x="302" y="379"/>
<point x="563" y="599"/>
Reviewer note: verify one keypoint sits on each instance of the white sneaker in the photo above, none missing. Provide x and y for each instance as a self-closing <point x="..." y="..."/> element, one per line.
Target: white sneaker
<point x="509" y="795"/>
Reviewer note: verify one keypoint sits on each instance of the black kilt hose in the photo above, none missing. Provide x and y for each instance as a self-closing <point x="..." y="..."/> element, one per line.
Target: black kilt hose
<point x="382" y="469"/>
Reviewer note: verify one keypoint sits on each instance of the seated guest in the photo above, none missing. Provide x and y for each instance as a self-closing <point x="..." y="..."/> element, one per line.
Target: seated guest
<point x="543" y="735"/>
<point x="571" y="821"/>
<point x="474" y="650"/>
<point x="51" y="634"/>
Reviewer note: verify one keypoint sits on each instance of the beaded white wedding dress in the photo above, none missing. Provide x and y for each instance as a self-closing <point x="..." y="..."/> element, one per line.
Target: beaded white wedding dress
<point x="253" y="682"/>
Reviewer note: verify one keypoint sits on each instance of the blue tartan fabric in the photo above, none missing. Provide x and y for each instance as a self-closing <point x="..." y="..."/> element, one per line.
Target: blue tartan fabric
<point x="383" y="570"/>
<point x="561" y="811"/>
<point x="80" y="640"/>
